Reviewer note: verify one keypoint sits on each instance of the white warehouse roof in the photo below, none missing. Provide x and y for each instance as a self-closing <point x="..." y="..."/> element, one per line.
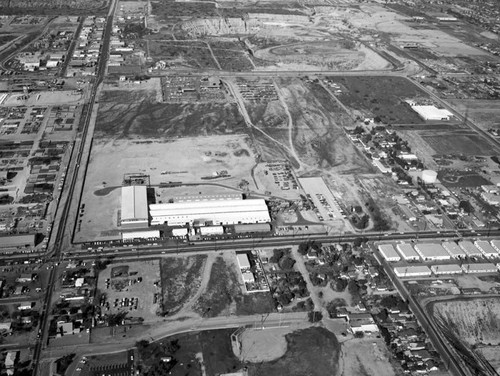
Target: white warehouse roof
<point x="470" y="248"/>
<point x="243" y="261"/>
<point x="432" y="113"/>
<point x="141" y="234"/>
<point x="446" y="269"/>
<point x="454" y="250"/>
<point x="486" y="248"/>
<point x="407" y="251"/>
<point x="388" y="252"/>
<point x="217" y="212"/>
<point x="432" y="252"/>
<point x="413" y="271"/>
<point x="134" y="204"/>
<point x="479" y="268"/>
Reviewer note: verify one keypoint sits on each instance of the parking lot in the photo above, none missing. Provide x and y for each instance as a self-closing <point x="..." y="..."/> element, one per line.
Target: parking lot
<point x="130" y="288"/>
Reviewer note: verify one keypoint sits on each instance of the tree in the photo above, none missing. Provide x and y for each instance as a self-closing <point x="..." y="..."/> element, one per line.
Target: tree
<point x="286" y="263"/>
<point x="315" y="316"/>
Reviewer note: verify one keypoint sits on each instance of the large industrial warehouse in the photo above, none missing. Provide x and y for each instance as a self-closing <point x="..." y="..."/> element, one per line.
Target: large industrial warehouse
<point x="134" y="213"/>
<point x="454" y="250"/>
<point x="407" y="252"/>
<point x="388" y="252"/>
<point x="216" y="212"/>
<point x="432" y="252"/>
<point x="412" y="271"/>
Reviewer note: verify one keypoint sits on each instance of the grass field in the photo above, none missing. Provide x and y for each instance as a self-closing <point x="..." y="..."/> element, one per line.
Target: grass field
<point x="180" y="278"/>
<point x="365" y="93"/>
<point x="460" y="142"/>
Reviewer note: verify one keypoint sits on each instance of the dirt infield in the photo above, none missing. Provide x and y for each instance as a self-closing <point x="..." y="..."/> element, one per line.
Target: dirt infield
<point x="263" y="345"/>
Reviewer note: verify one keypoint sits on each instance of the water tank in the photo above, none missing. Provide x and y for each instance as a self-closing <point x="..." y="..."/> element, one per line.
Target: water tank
<point x="429" y="176"/>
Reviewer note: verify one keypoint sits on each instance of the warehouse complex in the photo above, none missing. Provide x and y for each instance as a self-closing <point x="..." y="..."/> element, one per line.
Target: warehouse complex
<point x="134" y="207"/>
<point x="216" y="212"/>
<point x="470" y="248"/>
<point x="446" y="269"/>
<point x="486" y="248"/>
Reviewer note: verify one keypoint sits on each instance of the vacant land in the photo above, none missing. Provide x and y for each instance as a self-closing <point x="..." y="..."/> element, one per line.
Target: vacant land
<point x="142" y="117"/>
<point x="364" y="93"/>
<point x="458" y="142"/>
<point x="182" y="54"/>
<point x="223" y="295"/>
<point x="364" y="357"/>
<point x="180" y="280"/>
<point x="221" y="288"/>
<point x="478" y="330"/>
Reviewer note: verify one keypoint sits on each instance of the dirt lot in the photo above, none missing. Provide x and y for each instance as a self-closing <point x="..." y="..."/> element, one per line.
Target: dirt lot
<point x="365" y="357"/>
<point x="127" y="285"/>
<point x="180" y="280"/>
<point x="201" y="156"/>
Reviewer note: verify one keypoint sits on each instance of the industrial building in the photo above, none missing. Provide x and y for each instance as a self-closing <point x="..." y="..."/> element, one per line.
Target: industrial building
<point x="17" y="241"/>
<point x="407" y="251"/>
<point x="412" y="271"/>
<point x="180" y="232"/>
<point x="216" y="212"/>
<point x="388" y="252"/>
<point x="134" y="208"/>
<point x="486" y="248"/>
<point x="243" y="261"/>
<point x="470" y="248"/>
<point x="496" y="244"/>
<point x="362" y="322"/>
<point x="429" y="112"/>
<point x="252" y="228"/>
<point x="432" y="252"/>
<point x="211" y="230"/>
<point x="479" y="268"/>
<point x="454" y="250"/>
<point x="446" y="269"/>
<point x="148" y="234"/>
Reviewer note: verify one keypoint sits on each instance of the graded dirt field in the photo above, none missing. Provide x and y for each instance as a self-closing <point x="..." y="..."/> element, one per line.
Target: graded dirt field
<point x="331" y="55"/>
<point x="182" y="54"/>
<point x="480" y="328"/>
<point x="184" y="160"/>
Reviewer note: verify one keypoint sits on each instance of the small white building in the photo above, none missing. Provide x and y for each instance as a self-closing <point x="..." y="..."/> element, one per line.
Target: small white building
<point x="362" y="323"/>
<point x="180" y="232"/>
<point x="248" y="277"/>
<point x="211" y="230"/>
<point x="147" y="234"/>
<point x="389" y="253"/>
<point x="243" y="261"/>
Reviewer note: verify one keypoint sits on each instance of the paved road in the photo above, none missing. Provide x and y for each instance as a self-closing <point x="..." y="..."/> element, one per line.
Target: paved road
<point x="172" y="327"/>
